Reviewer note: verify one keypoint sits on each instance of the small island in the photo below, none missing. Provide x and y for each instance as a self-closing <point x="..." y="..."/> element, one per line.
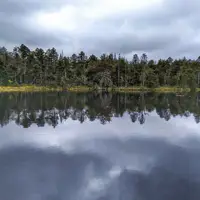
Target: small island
<point x="27" y="70"/>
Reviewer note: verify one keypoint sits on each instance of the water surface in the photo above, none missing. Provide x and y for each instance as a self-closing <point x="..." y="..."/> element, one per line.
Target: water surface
<point x="99" y="146"/>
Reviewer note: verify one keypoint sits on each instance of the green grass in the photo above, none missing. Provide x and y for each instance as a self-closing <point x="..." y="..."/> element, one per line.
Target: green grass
<point x="158" y="89"/>
<point x="171" y="89"/>
<point x="79" y="89"/>
<point x="131" y="89"/>
<point x="32" y="88"/>
<point x="28" y="88"/>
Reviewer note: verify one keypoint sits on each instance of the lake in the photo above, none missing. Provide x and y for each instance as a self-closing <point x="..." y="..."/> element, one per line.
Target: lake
<point x="99" y="146"/>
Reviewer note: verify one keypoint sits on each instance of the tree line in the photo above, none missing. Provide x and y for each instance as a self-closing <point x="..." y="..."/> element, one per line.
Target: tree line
<point x="26" y="109"/>
<point x="40" y="67"/>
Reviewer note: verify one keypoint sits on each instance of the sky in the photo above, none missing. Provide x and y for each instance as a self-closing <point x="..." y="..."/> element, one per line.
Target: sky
<point x="159" y="28"/>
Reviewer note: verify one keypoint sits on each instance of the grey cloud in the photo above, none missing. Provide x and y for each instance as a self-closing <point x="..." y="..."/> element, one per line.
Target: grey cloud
<point x="14" y="7"/>
<point x="16" y="34"/>
<point x="167" y="13"/>
<point x="43" y="40"/>
<point x="188" y="49"/>
<point x="162" y="30"/>
<point x="14" y="29"/>
<point x="129" y="43"/>
<point x="178" y="19"/>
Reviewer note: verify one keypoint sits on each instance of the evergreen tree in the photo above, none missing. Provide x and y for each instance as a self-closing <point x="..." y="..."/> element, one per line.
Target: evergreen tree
<point x="39" y="67"/>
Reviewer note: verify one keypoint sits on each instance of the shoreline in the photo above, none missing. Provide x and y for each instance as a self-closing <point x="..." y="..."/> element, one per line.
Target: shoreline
<point x="29" y="88"/>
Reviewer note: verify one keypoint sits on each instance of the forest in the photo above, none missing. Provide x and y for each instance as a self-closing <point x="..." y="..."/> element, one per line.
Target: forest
<point x="50" y="68"/>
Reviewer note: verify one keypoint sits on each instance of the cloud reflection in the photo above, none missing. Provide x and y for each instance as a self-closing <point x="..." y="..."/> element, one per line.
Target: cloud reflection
<point x="104" y="172"/>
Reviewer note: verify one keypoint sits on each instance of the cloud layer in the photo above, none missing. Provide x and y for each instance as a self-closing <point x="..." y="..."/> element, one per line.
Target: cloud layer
<point x="161" y="28"/>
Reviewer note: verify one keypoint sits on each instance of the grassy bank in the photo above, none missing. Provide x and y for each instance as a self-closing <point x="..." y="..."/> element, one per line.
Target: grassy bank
<point x="158" y="89"/>
<point x="79" y="89"/>
<point x="29" y="88"/>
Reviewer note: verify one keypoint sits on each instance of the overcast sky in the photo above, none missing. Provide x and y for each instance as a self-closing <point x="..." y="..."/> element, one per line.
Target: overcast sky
<point x="160" y="28"/>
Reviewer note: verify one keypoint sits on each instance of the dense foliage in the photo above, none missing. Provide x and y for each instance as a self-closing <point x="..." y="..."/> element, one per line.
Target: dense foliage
<point x="54" y="108"/>
<point x="39" y="67"/>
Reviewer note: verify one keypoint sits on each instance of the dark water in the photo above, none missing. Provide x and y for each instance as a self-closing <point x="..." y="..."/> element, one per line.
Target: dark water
<point x="90" y="146"/>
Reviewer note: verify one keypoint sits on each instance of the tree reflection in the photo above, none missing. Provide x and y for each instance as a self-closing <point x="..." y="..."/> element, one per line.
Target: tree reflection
<point x="54" y="108"/>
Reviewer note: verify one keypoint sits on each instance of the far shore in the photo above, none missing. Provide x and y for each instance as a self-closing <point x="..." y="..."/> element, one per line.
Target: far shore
<point x="32" y="88"/>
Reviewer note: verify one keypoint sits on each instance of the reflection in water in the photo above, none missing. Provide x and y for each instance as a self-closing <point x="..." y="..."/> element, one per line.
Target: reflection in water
<point x="54" y="108"/>
<point x="38" y="174"/>
<point x="118" y="161"/>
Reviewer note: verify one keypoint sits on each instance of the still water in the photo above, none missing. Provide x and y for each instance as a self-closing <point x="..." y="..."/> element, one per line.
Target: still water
<point x="99" y="146"/>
